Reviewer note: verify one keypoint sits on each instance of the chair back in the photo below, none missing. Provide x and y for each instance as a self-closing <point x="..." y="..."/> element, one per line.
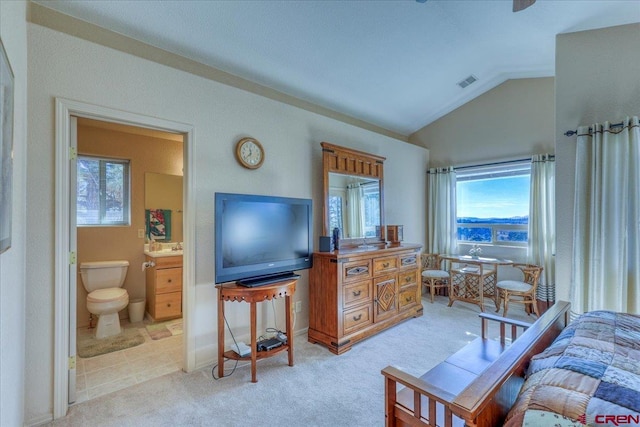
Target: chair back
<point x="531" y="273"/>
<point x="430" y="261"/>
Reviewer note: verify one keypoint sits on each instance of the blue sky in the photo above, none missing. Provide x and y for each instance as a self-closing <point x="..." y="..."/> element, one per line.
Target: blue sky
<point x="494" y="198"/>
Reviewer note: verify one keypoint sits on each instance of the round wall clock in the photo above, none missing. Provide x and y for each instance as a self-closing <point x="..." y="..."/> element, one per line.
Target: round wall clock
<point x="250" y="153"/>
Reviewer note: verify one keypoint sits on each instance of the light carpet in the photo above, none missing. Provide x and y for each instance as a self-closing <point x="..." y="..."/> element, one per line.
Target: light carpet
<point x="166" y="329"/>
<point x="322" y="389"/>
<point x="90" y="346"/>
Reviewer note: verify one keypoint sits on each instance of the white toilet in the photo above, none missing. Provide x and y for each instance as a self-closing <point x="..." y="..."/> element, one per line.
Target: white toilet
<point x="103" y="280"/>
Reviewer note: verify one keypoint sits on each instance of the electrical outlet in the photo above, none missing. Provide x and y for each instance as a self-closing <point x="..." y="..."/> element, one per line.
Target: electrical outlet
<point x="298" y="306"/>
<point x="140" y="233"/>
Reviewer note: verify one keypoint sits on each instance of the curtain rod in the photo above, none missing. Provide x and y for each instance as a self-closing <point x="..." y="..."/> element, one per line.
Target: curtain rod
<point x="573" y="132"/>
<point x="505" y="162"/>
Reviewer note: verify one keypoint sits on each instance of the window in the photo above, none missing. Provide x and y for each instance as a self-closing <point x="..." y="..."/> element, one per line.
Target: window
<point x="492" y="204"/>
<point x="371" y="193"/>
<point x="102" y="191"/>
<point x="335" y="212"/>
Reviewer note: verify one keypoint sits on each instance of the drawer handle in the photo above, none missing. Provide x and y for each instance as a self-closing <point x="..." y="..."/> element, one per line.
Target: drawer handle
<point x="408" y="279"/>
<point x="358" y="317"/>
<point x="169" y="281"/>
<point x="357" y="294"/>
<point x="385" y="265"/>
<point x="168" y="304"/>
<point x="409" y="299"/>
<point x="357" y="270"/>
<point x="408" y="260"/>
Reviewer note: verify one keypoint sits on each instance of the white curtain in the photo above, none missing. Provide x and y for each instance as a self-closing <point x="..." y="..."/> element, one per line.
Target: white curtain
<point x="542" y="223"/>
<point x="355" y="211"/>
<point x="441" y="217"/>
<point x="606" y="254"/>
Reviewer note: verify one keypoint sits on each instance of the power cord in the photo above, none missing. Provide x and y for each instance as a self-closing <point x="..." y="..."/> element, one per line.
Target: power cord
<point x="213" y="370"/>
<point x="280" y="336"/>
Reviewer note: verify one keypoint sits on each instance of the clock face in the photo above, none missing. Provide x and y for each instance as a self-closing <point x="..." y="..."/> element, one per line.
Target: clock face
<point x="250" y="153"/>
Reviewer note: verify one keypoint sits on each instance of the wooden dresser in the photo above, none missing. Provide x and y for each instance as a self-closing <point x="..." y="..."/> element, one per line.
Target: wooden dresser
<point x="355" y="293"/>
<point x="164" y="288"/>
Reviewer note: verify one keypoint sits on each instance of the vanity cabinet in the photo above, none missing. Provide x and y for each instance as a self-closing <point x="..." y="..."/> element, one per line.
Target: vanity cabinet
<point x="355" y="293"/>
<point x="164" y="288"/>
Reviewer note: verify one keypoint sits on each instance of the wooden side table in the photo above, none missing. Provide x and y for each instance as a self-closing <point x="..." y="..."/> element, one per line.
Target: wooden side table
<point x="476" y="279"/>
<point x="233" y="292"/>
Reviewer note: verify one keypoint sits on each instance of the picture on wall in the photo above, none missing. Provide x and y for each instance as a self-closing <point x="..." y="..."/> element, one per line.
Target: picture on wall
<point x="6" y="149"/>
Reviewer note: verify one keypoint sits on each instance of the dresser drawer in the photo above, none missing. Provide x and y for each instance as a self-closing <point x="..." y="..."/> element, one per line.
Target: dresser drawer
<point x="408" y="297"/>
<point x="169" y="305"/>
<point x="167" y="261"/>
<point x="409" y="261"/>
<point x="356" y="270"/>
<point x="384" y="265"/>
<point x="357" y="318"/>
<point x="168" y="280"/>
<point x="408" y="278"/>
<point x="356" y="293"/>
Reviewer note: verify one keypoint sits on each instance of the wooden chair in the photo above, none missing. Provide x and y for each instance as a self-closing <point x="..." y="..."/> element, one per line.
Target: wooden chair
<point x="433" y="275"/>
<point x="524" y="290"/>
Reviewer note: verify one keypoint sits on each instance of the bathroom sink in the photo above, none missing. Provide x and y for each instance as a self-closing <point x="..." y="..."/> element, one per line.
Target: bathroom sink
<point x="166" y="250"/>
<point x="163" y="253"/>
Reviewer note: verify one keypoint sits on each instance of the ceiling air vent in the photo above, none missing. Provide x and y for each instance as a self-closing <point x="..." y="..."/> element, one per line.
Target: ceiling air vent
<point x="466" y="82"/>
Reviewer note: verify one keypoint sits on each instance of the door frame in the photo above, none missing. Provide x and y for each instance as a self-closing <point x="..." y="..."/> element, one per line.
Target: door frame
<point x="64" y="291"/>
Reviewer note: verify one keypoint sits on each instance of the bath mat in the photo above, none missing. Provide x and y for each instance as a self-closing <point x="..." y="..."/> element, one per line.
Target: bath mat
<point x="170" y="328"/>
<point x="90" y="346"/>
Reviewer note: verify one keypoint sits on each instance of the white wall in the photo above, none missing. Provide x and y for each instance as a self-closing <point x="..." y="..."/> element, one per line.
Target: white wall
<point x="513" y="120"/>
<point x="64" y="66"/>
<point x="13" y="32"/>
<point x="596" y="80"/>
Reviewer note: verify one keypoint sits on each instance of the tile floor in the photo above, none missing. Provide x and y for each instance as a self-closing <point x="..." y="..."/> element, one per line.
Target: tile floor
<point x="100" y="375"/>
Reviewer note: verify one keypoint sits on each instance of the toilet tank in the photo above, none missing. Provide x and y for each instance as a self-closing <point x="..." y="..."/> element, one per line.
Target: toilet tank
<point x="103" y="274"/>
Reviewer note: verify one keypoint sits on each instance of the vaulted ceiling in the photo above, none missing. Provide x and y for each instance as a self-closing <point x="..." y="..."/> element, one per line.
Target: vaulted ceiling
<point x="394" y="64"/>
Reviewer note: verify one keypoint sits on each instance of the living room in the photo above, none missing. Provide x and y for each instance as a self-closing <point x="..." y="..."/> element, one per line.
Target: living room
<point x="50" y="63"/>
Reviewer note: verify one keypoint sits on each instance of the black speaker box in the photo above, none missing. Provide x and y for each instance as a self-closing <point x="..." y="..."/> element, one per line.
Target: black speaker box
<point x="325" y="244"/>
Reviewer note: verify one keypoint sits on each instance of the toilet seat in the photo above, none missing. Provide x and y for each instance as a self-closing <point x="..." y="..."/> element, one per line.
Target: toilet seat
<point x="106" y="295"/>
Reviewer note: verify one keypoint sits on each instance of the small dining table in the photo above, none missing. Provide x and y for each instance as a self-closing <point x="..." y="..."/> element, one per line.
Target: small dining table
<point x="474" y="278"/>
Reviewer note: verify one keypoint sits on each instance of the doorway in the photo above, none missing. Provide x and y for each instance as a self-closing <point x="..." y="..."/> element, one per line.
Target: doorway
<point x="125" y="173"/>
<point x="65" y="259"/>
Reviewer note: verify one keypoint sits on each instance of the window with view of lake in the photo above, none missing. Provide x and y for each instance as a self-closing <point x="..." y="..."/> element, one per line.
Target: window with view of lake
<point x="493" y="205"/>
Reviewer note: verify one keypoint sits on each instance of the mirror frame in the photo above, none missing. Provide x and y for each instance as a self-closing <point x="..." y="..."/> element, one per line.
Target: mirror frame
<point x="345" y="161"/>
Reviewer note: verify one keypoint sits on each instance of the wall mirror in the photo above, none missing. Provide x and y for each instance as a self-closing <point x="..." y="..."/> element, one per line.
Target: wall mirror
<point x="164" y="192"/>
<point x="353" y="195"/>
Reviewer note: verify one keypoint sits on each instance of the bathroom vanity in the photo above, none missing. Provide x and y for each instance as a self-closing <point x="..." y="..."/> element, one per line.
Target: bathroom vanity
<point x="164" y="285"/>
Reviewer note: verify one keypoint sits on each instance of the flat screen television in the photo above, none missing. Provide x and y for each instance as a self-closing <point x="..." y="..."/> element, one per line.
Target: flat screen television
<point x="261" y="239"/>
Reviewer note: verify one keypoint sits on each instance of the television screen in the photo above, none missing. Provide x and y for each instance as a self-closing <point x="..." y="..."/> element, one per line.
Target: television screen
<point x="261" y="237"/>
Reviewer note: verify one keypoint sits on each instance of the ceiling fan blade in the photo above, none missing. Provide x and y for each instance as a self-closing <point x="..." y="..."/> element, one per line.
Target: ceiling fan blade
<point x="519" y="5"/>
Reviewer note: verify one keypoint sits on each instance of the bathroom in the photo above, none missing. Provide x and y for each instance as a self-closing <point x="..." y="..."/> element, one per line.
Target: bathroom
<point x="155" y="169"/>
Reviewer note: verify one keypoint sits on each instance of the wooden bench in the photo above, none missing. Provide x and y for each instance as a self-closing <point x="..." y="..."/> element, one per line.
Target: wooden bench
<point x="477" y="385"/>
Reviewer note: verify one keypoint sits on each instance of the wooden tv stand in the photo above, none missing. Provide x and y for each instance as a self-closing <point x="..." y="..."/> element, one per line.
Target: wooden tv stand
<point x="234" y="292"/>
<point x="355" y="293"/>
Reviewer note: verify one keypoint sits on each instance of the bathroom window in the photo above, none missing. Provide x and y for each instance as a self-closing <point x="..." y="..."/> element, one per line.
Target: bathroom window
<point x="102" y="191"/>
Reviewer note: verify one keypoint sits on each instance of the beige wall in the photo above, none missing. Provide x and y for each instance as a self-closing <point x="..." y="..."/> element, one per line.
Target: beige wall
<point x="513" y="120"/>
<point x="13" y="313"/>
<point x="597" y="80"/>
<point x="64" y="66"/>
<point x="146" y="154"/>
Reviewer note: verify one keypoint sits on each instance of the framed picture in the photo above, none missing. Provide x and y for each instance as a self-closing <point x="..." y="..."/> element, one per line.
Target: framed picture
<point x="6" y="149"/>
